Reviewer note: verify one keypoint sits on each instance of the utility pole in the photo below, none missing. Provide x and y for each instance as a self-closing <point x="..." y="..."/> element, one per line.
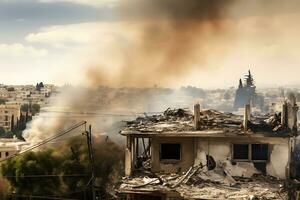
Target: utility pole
<point x="91" y="158"/>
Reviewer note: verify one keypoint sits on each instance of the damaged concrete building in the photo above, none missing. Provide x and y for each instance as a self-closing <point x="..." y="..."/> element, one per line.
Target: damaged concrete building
<point x="210" y="155"/>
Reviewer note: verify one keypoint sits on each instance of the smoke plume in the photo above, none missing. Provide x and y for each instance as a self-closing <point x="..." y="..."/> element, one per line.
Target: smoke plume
<point x="171" y="37"/>
<point x="162" y="42"/>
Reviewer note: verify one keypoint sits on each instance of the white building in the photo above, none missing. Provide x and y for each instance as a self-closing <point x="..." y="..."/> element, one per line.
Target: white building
<point x="10" y="146"/>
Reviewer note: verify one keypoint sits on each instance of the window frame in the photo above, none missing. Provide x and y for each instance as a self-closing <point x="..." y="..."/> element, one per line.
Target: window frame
<point x="240" y="160"/>
<point x="170" y="160"/>
<point x="268" y="153"/>
<point x="249" y="153"/>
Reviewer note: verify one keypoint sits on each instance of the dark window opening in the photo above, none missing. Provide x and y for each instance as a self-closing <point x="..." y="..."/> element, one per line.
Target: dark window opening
<point x="6" y="154"/>
<point x="170" y="151"/>
<point x="240" y="151"/>
<point x="260" y="152"/>
<point x="261" y="166"/>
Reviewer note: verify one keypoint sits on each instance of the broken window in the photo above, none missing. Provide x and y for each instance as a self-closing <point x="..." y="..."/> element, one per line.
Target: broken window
<point x="253" y="152"/>
<point x="170" y="151"/>
<point x="259" y="152"/>
<point x="240" y="151"/>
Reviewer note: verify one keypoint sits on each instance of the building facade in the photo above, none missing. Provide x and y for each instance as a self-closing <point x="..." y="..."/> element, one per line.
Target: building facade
<point x="9" y="116"/>
<point x="206" y="155"/>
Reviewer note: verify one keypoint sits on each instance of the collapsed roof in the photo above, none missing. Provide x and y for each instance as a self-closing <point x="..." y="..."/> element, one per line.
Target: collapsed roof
<point x="180" y="120"/>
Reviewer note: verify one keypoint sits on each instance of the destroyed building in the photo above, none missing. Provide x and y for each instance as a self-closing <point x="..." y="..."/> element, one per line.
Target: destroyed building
<point x="246" y="94"/>
<point x="210" y="155"/>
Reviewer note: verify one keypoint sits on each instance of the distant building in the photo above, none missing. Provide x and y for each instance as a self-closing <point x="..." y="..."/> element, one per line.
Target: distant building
<point x="9" y="116"/>
<point x="10" y="147"/>
<point x="246" y="94"/>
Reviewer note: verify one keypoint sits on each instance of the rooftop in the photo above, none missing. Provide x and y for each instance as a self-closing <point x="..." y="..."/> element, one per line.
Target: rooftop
<point x="180" y="122"/>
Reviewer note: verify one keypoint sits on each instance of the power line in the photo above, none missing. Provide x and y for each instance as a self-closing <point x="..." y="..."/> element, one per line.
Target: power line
<point x="46" y="140"/>
<point x="60" y="134"/>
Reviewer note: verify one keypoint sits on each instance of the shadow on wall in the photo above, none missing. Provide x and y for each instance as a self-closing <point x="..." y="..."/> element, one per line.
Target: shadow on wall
<point x="297" y="158"/>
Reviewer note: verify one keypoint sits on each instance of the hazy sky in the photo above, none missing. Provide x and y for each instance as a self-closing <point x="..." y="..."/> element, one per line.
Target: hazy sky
<point x="59" y="42"/>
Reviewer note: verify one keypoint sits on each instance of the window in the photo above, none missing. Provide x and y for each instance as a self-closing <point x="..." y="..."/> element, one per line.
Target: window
<point x="250" y="152"/>
<point x="170" y="151"/>
<point x="240" y="151"/>
<point x="260" y="152"/>
<point x="6" y="154"/>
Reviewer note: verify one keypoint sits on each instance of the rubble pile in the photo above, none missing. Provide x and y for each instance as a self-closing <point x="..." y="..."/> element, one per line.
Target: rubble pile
<point x="198" y="183"/>
<point x="269" y="124"/>
<point x="179" y="120"/>
<point x="170" y="120"/>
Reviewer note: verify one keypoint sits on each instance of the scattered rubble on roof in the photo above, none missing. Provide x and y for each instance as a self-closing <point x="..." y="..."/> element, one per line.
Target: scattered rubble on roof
<point x="180" y="120"/>
<point x="198" y="183"/>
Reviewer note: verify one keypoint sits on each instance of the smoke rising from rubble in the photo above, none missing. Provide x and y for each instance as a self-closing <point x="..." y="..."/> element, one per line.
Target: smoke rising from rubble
<point x="162" y="42"/>
<point x="171" y="37"/>
<point x="104" y="108"/>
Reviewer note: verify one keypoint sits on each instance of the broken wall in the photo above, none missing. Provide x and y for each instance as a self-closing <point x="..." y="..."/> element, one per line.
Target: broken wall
<point x="172" y="166"/>
<point x="221" y="150"/>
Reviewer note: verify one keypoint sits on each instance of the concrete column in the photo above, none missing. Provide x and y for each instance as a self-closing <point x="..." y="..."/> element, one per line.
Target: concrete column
<point x="197" y="118"/>
<point x="247" y="116"/>
<point x="129" y="156"/>
<point x="292" y="110"/>
<point x="284" y="115"/>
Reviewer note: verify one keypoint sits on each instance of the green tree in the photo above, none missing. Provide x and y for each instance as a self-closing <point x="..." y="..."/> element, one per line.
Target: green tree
<point x="35" y="108"/>
<point x="3" y="101"/>
<point x="39" y="86"/>
<point x="70" y="158"/>
<point x="25" y="108"/>
<point x="10" y="89"/>
<point x="2" y="131"/>
<point x="33" y="163"/>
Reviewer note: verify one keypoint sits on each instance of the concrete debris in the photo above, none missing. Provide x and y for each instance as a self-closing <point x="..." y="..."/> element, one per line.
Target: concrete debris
<point x="199" y="183"/>
<point x="179" y="120"/>
<point x="177" y="113"/>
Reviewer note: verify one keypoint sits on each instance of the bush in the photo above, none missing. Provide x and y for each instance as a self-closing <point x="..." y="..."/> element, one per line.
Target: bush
<point x="3" y="101"/>
<point x="70" y="158"/>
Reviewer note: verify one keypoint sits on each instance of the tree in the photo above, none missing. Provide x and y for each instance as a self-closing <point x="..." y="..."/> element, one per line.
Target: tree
<point x="35" y="108"/>
<point x="33" y="163"/>
<point x="70" y="158"/>
<point x="10" y="89"/>
<point x="25" y="108"/>
<point x="3" y="101"/>
<point x="12" y="123"/>
<point x="39" y="86"/>
<point x="2" y="131"/>
<point x="249" y="79"/>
